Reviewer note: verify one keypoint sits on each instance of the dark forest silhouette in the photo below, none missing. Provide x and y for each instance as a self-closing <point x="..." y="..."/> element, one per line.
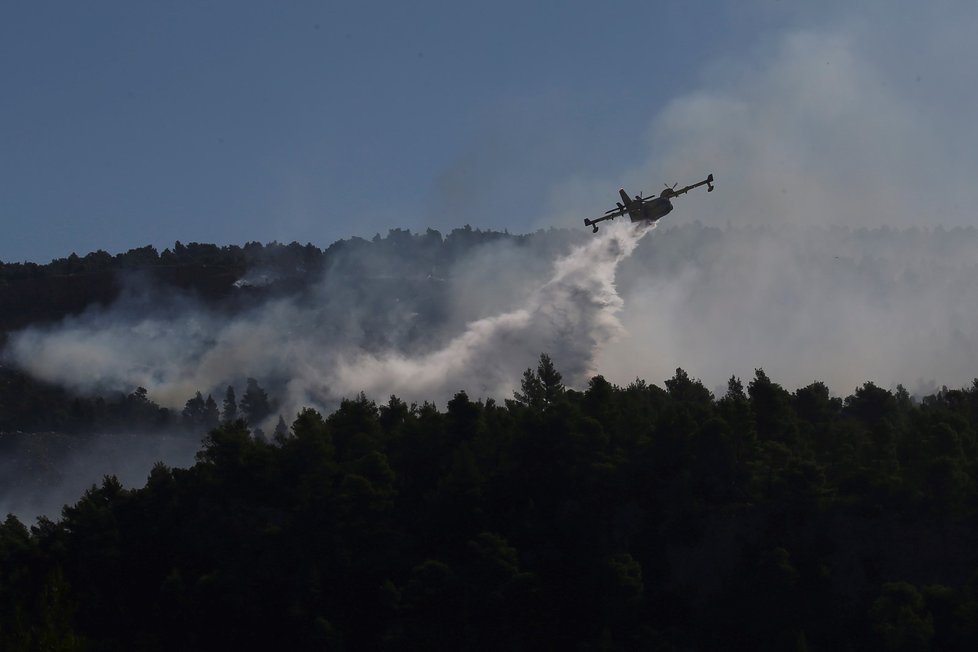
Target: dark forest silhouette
<point x="638" y="517"/>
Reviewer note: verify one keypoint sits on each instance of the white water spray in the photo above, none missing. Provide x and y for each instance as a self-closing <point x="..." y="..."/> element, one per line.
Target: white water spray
<point x="570" y="317"/>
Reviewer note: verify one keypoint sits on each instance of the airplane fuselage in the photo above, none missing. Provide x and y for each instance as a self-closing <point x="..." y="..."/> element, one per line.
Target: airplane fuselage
<point x="651" y="210"/>
<point x="647" y="210"/>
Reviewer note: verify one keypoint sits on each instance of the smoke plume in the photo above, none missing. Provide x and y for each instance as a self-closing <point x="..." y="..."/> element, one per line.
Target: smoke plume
<point x="330" y="343"/>
<point x="570" y="316"/>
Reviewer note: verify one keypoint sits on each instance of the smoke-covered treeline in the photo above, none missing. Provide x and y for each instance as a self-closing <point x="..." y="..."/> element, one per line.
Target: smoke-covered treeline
<point x="152" y="360"/>
<point x="251" y="255"/>
<point x="425" y="315"/>
<point x="311" y="333"/>
<point x="636" y="517"/>
<point x="31" y="406"/>
<point x="839" y="304"/>
<point x="53" y="444"/>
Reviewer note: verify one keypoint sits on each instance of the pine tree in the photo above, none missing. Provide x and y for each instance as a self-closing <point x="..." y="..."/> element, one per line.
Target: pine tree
<point x="211" y="416"/>
<point x="230" y="412"/>
<point x="255" y="404"/>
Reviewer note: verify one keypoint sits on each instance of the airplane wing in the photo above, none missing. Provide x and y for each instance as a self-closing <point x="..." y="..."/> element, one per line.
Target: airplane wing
<point x="610" y="215"/>
<point x="707" y="181"/>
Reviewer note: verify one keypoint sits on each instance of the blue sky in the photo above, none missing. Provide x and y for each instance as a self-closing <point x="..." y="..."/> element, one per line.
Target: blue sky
<point x="132" y="123"/>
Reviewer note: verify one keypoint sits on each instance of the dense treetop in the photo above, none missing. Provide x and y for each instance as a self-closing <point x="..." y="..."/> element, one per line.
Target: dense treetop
<point x="290" y="257"/>
<point x="232" y="277"/>
<point x="637" y="517"/>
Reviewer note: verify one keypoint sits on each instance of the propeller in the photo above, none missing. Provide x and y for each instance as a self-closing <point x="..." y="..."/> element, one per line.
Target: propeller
<point x="670" y="191"/>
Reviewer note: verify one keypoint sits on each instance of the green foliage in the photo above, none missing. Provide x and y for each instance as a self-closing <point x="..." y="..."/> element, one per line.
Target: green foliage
<point x="541" y="388"/>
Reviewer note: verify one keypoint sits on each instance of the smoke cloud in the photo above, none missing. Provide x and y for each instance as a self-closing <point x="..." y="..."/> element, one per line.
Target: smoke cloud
<point x="844" y="245"/>
<point x="330" y="343"/>
<point x="571" y="316"/>
<point x="837" y="305"/>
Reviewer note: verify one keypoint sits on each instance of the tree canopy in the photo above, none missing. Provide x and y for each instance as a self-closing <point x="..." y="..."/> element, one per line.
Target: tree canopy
<point x="637" y="517"/>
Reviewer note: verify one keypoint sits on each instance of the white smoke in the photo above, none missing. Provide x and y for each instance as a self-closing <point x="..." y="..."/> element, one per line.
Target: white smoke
<point x="836" y="305"/>
<point x="853" y="149"/>
<point x="312" y="349"/>
<point x="570" y="316"/>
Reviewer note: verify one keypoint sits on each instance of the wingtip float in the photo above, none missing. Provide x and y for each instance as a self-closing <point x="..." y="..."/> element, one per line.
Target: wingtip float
<point x="647" y="209"/>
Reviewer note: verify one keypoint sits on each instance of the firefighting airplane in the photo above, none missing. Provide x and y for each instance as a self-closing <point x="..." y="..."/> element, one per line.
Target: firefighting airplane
<point x="648" y="209"/>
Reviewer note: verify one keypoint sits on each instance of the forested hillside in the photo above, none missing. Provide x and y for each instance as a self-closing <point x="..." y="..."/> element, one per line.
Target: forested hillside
<point x="32" y="292"/>
<point x="596" y="515"/>
<point x="636" y="517"/>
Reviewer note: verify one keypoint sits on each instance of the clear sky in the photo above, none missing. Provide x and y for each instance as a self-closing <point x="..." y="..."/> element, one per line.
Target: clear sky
<point x="131" y="123"/>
